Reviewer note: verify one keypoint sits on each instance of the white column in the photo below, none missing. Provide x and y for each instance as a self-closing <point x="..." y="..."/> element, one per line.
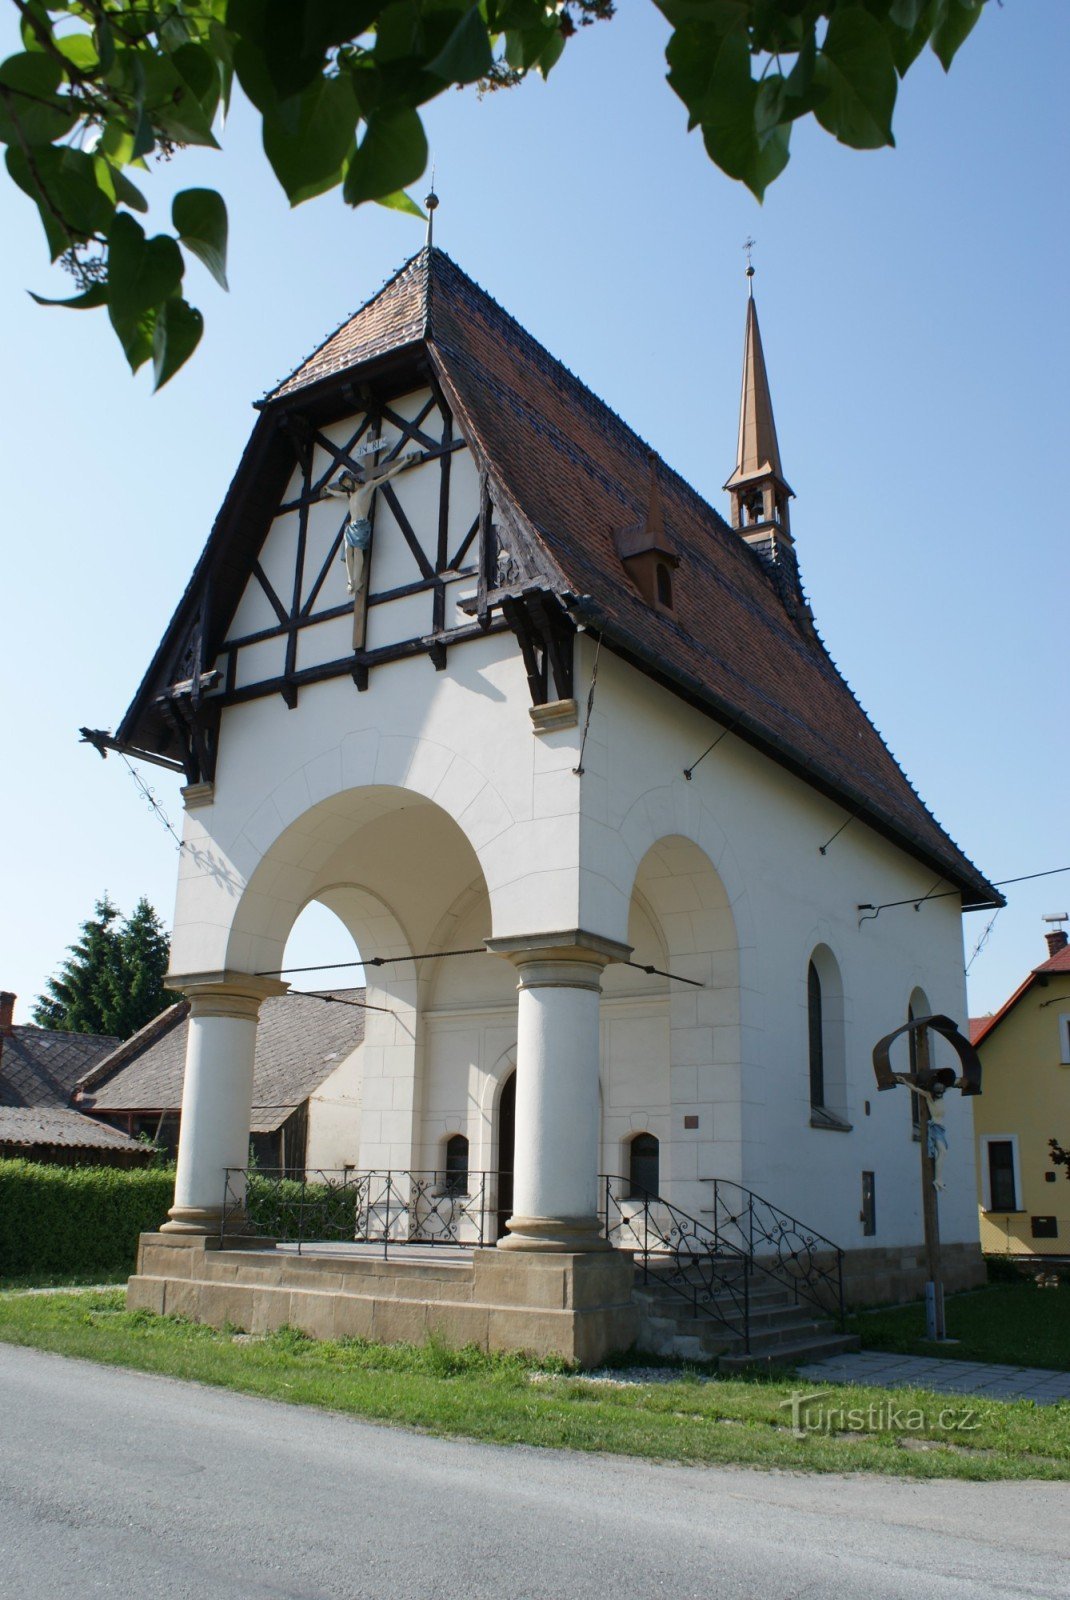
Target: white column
<point x="216" y="1097"/>
<point x="558" y="1114"/>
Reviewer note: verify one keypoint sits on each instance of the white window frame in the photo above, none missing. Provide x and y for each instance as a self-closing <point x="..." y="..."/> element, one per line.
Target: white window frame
<point x="986" y="1182"/>
<point x="1064" y="1038"/>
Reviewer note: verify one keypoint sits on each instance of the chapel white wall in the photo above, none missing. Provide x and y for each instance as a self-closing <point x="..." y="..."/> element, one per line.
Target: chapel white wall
<point x="762" y="828"/>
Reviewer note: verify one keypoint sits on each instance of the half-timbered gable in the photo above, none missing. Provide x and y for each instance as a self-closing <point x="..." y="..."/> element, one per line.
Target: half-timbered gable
<point x="295" y="617"/>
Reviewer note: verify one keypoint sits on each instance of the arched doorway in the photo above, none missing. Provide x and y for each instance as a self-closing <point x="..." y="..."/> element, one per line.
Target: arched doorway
<point x="506" y="1145"/>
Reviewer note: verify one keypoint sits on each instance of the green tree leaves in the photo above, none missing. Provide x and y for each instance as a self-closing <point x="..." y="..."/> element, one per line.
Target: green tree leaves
<point x="857" y="72"/>
<point x="200" y="220"/>
<point x="392" y="154"/>
<point x="308" y="137"/>
<point x="340" y="85"/>
<point x="747" y="69"/>
<point x="112" y="981"/>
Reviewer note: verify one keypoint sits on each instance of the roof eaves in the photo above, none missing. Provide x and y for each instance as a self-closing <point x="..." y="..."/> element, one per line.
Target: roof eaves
<point x="142" y="1040"/>
<point x="630" y="647"/>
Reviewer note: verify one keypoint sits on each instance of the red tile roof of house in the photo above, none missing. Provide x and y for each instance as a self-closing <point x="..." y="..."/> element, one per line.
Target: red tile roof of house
<point x="1058" y="963"/>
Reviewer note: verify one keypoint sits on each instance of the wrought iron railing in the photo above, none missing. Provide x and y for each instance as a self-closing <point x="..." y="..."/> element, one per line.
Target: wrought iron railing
<point x="679" y="1253"/>
<point x="388" y="1207"/>
<point x="780" y="1246"/>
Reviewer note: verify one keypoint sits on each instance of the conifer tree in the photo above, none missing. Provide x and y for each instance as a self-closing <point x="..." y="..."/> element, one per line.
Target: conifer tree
<point x="112" y="981"/>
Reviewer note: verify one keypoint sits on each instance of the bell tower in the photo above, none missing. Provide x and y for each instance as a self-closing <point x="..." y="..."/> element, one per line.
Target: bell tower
<point x="758" y="489"/>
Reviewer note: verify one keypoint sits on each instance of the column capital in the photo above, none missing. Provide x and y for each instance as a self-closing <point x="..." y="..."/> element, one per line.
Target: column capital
<point x="562" y="956"/>
<point x="227" y="993"/>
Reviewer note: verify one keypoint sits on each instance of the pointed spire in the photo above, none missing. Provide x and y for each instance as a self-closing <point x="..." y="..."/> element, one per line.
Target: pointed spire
<point x="758" y="488"/>
<point x="758" y="452"/>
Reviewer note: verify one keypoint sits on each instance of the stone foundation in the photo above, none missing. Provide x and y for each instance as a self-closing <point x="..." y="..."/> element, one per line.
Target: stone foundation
<point x="890" y="1275"/>
<point x="576" y="1306"/>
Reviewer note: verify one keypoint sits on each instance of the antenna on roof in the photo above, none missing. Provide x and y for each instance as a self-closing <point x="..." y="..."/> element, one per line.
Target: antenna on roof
<point x="432" y="206"/>
<point x="748" y="246"/>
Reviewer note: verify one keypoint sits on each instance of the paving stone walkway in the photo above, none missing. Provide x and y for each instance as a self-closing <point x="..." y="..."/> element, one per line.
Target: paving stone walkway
<point x="989" y="1379"/>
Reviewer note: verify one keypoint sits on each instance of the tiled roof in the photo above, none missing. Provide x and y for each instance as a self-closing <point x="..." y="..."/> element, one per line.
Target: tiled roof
<point x="1058" y="963"/>
<point x="300" y="1041"/>
<point x="39" y="1067"/>
<point x="574" y="472"/>
<point x="32" y="1125"/>
<point x="569" y="473"/>
<point x="395" y="317"/>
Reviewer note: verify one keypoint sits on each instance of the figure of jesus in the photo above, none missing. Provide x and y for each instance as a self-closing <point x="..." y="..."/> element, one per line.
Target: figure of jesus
<point x="358" y="490"/>
<point x="938" y="1084"/>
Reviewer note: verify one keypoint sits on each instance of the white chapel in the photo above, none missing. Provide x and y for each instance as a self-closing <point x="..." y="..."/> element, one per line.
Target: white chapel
<point x="560" y="746"/>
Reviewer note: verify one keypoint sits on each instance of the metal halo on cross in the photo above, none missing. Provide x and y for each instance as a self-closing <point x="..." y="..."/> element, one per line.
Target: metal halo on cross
<point x="947" y="1029"/>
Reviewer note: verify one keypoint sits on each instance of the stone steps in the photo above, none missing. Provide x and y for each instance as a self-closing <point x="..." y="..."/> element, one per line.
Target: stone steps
<point x="782" y="1331"/>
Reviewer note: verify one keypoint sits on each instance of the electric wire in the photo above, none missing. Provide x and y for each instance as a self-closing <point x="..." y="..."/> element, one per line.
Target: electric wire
<point x="918" y="900"/>
<point x="439" y="955"/>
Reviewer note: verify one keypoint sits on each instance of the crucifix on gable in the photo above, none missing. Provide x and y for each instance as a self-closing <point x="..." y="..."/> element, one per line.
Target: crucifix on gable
<point x="357" y="488"/>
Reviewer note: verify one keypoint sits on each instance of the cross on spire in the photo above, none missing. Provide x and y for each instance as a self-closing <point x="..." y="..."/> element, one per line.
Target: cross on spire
<point x="432" y="206"/>
<point x="748" y="246"/>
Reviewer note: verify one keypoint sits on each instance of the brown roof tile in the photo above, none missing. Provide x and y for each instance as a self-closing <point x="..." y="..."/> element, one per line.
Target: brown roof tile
<point x="40" y="1066"/>
<point x="300" y="1041"/>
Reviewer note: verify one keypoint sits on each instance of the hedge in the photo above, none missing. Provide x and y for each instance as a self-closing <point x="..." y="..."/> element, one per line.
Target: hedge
<point x="74" y="1220"/>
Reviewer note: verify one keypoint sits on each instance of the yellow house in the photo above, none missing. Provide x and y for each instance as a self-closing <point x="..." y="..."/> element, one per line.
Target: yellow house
<point x="1025" y="1052"/>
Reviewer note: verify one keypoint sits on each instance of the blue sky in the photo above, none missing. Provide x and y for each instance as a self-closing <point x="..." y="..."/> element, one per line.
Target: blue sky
<point x="913" y="311"/>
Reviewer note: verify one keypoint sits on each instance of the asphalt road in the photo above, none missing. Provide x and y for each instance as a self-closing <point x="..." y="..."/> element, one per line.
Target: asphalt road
<point x="114" y="1483"/>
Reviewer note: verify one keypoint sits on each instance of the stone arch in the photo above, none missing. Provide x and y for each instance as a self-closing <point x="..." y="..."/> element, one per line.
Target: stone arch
<point x="377" y="836"/>
<point x="247" y="869"/>
<point x="391" y="865"/>
<point x="687" y="1091"/>
<point x="678" y="811"/>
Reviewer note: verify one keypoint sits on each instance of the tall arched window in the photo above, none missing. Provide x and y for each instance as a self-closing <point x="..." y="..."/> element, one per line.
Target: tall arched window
<point x="826" y="1041"/>
<point x="644" y="1164"/>
<point x="664" y="583"/>
<point x="457" y="1164"/>
<point x="919" y="1007"/>
<point x="817" y="1036"/>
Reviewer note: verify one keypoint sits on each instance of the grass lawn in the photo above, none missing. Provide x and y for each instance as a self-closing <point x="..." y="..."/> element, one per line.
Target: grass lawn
<point x="513" y="1400"/>
<point x="1015" y="1323"/>
<point x="52" y="1280"/>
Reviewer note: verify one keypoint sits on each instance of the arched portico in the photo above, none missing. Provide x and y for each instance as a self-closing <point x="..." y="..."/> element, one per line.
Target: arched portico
<point x="407" y="883"/>
<point x="681" y="1052"/>
<point x="389" y="863"/>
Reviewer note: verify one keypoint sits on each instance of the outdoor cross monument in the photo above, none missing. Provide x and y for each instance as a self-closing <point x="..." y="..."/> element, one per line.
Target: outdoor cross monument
<point x="930" y="1085"/>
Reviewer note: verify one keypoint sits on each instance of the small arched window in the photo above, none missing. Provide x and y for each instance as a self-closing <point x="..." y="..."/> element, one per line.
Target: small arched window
<point x="456" y="1164"/>
<point x="817" y="1036"/>
<point x="664" y="583"/>
<point x="644" y="1162"/>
